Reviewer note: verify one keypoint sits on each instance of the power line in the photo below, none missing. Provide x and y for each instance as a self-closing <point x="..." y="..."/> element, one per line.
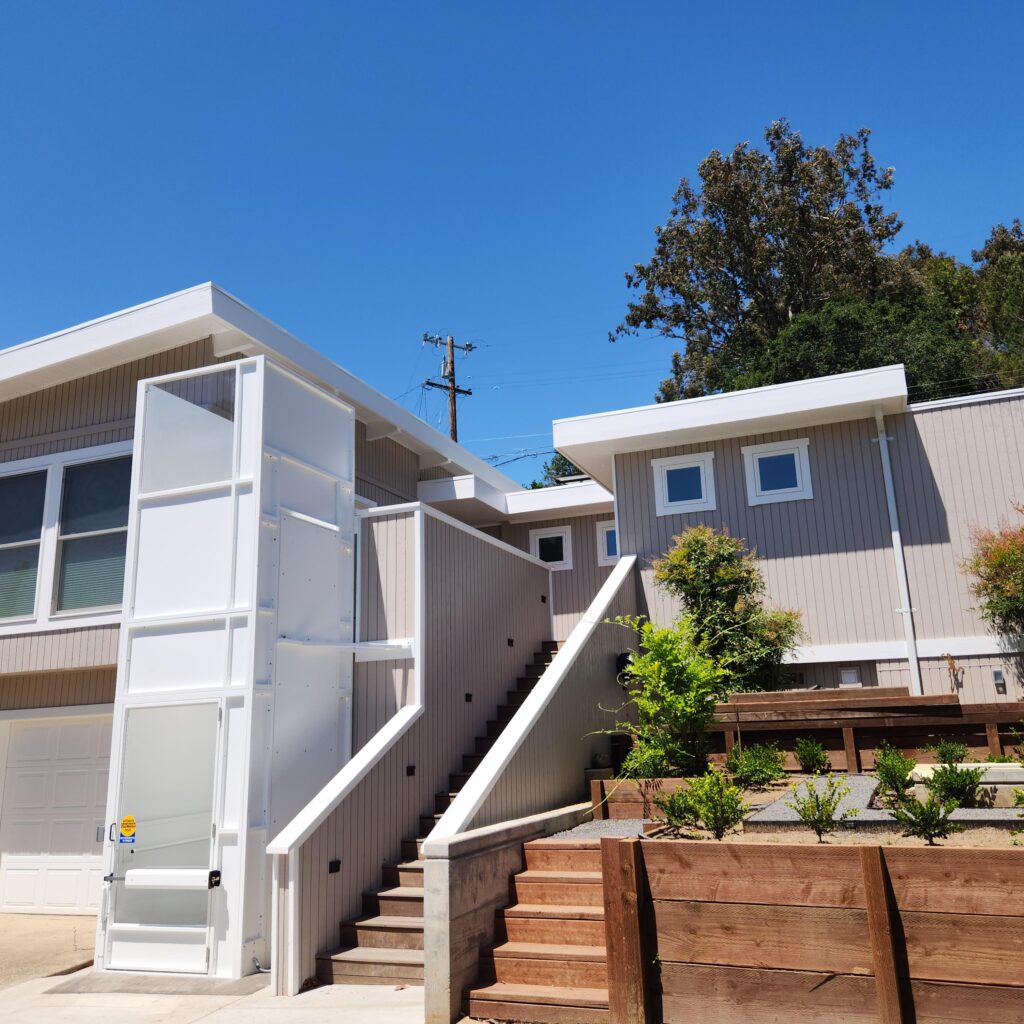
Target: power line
<point x="447" y="375"/>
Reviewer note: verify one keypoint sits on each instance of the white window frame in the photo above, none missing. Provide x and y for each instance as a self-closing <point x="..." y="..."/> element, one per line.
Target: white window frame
<point x="603" y="529"/>
<point x="856" y="683"/>
<point x="44" y="618"/>
<point x="565" y="532"/>
<point x="705" y="461"/>
<point x="798" y="447"/>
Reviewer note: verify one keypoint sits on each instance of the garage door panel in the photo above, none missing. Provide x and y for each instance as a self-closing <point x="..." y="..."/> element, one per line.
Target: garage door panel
<point x="71" y="788"/>
<point x="27" y="791"/>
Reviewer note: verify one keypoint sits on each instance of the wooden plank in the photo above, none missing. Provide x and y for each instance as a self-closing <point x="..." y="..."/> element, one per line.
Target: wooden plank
<point x="957" y="881"/>
<point x="863" y="699"/>
<point x="850" y="748"/>
<point x="880" y="930"/>
<point x="772" y="874"/>
<point x="995" y="744"/>
<point x="597" y="801"/>
<point x="787" y="696"/>
<point x="623" y="869"/>
<point x="973" y="948"/>
<point x="744" y="995"/>
<point x="944" y="1003"/>
<point x="827" y="939"/>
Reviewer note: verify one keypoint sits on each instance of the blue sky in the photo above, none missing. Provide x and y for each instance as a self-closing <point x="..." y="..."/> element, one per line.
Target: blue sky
<point x="362" y="173"/>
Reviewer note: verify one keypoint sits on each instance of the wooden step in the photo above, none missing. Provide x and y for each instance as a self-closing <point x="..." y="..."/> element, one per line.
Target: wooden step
<point x="383" y="932"/>
<point x="526" y="682"/>
<point x="457" y="780"/>
<point x="516" y="697"/>
<point x="495" y="729"/>
<point x="362" y="965"/>
<point x="398" y="901"/>
<point x="505" y="713"/>
<point x="484" y="743"/>
<point x="412" y="849"/>
<point x="551" y="645"/>
<point x="554" y="911"/>
<point x="581" y="888"/>
<point x="408" y="873"/>
<point x="546" y="925"/>
<point x="544" y="658"/>
<point x="442" y="801"/>
<point x="535" y="671"/>
<point x="542" y="1003"/>
<point x="562" y="966"/>
<point x="559" y="855"/>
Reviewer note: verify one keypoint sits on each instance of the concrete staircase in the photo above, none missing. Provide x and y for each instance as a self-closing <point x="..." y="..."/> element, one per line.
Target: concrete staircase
<point x="548" y="963"/>
<point x="385" y="945"/>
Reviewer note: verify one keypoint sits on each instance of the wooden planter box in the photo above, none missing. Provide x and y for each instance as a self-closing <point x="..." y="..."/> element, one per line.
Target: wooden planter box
<point x="630" y="798"/>
<point x="752" y="934"/>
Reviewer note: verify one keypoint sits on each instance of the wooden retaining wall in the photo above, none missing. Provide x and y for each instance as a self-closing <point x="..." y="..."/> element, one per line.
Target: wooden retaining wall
<point x="752" y="934"/>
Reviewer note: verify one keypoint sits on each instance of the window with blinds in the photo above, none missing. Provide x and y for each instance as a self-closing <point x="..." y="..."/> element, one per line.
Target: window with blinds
<point x="22" y="498"/>
<point x="93" y="534"/>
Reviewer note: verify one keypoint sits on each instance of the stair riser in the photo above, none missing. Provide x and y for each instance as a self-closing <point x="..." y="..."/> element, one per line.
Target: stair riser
<point x="427" y="824"/>
<point x="381" y="938"/>
<point x="535" y="671"/>
<point x="368" y="974"/>
<point x="486" y="1009"/>
<point x="556" y="931"/>
<point x="559" y="973"/>
<point x="394" y="875"/>
<point x="494" y="730"/>
<point x="442" y="801"/>
<point x="515" y="698"/>
<point x="505" y="713"/>
<point x="563" y="860"/>
<point x="544" y="659"/>
<point x="412" y="849"/>
<point x="550" y="646"/>
<point x="458" y="780"/>
<point x="561" y="893"/>
<point x="390" y="906"/>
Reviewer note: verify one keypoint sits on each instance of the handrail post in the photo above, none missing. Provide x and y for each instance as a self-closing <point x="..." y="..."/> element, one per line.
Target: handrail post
<point x="622" y="872"/>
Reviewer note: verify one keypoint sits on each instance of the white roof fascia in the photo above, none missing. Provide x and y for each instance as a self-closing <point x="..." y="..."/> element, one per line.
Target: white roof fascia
<point x="565" y="500"/>
<point x="461" y="488"/>
<point x="592" y="442"/>
<point x="203" y="311"/>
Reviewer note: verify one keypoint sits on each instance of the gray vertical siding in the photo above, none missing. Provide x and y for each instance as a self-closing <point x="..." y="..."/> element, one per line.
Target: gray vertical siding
<point x="955" y="469"/>
<point x="386" y="472"/>
<point x="830" y="557"/>
<point x="57" y="689"/>
<point x="573" y="589"/>
<point x="93" y="647"/>
<point x="478" y="597"/>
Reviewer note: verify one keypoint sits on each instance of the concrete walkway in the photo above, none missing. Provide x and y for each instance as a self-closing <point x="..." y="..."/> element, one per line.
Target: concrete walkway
<point x="34" y="1001"/>
<point x="38" y="945"/>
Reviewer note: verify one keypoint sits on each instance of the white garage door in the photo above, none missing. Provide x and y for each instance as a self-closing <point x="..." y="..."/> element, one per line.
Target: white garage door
<point x="52" y="817"/>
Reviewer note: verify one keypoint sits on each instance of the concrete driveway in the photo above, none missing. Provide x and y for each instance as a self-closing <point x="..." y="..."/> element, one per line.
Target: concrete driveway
<point x="38" y="945"/>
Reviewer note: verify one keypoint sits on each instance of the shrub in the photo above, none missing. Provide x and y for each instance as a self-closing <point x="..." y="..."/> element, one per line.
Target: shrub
<point x="955" y="786"/>
<point x="893" y="769"/>
<point x="950" y="751"/>
<point x="710" y="801"/>
<point x="1000" y="759"/>
<point x="756" y="766"/>
<point x="997" y="565"/>
<point x="817" y="801"/>
<point x="718" y="580"/>
<point x="645" y="763"/>
<point x="811" y="755"/>
<point x="928" y="821"/>
<point x="671" y="686"/>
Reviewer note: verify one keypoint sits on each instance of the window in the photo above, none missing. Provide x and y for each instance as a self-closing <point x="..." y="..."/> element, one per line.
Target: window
<point x="93" y="533"/>
<point x="779" y="471"/>
<point x="552" y="545"/>
<point x="684" y="483"/>
<point x="607" y="544"/>
<point x="22" y="498"/>
<point x="849" y="676"/>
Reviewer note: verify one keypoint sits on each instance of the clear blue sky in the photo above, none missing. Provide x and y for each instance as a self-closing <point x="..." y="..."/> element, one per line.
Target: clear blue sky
<point x="364" y="172"/>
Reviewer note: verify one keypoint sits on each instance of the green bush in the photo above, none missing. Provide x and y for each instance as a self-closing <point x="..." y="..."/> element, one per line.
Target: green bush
<point x="811" y="755"/>
<point x="949" y="752"/>
<point x="1000" y="759"/>
<point x="756" y="766"/>
<point x="956" y="786"/>
<point x="645" y="763"/>
<point x="816" y="802"/>
<point x="720" y="584"/>
<point x="671" y="686"/>
<point x="709" y="802"/>
<point x="893" y="769"/>
<point x="997" y="565"/>
<point x="928" y="821"/>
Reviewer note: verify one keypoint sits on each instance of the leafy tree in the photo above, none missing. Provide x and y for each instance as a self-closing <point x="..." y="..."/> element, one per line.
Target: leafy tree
<point x="996" y="564"/>
<point x="717" y="579"/>
<point x="1001" y="286"/>
<point x="555" y="470"/>
<point x="767" y="236"/>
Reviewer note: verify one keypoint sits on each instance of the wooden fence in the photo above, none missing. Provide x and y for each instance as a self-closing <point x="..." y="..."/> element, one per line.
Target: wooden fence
<point x="752" y="934"/>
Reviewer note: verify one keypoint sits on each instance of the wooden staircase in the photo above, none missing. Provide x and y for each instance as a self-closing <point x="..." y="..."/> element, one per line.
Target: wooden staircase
<point x="548" y="963"/>
<point x="385" y="945"/>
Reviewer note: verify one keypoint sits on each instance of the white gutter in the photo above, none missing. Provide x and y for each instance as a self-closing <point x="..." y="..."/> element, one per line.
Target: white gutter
<point x="902" y="583"/>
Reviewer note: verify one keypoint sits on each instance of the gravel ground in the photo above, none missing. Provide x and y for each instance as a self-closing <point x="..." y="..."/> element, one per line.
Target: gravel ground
<point x="609" y="828"/>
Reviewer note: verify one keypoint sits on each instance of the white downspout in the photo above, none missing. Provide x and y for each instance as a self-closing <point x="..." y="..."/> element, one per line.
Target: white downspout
<point x="897" y="553"/>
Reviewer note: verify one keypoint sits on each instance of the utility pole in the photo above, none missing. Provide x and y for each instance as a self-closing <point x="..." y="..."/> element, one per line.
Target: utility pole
<point x="447" y="374"/>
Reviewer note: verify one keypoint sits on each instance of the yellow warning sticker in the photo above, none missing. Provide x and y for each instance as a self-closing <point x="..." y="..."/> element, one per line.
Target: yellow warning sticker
<point x="128" y="829"/>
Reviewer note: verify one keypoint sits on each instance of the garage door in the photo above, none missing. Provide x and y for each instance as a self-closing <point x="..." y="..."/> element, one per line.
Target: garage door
<point x="52" y="817"/>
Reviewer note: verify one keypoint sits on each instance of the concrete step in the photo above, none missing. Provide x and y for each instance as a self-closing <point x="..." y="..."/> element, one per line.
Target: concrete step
<point x="361" y="965"/>
<point x="397" y="901"/>
<point x="383" y="932"/>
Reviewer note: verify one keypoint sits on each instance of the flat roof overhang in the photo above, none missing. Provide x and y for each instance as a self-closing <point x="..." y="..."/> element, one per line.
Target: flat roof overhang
<point x="592" y="442"/>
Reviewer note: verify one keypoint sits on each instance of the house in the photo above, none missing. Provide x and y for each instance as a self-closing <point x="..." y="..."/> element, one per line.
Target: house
<point x="271" y="648"/>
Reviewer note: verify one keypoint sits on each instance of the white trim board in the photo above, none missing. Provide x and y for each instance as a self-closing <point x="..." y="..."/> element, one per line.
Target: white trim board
<point x="896" y="650"/>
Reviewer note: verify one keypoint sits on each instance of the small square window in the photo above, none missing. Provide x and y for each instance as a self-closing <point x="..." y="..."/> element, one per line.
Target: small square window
<point x="553" y="546"/>
<point x="779" y="471"/>
<point x="607" y="544"/>
<point x="849" y="676"/>
<point x="684" y="483"/>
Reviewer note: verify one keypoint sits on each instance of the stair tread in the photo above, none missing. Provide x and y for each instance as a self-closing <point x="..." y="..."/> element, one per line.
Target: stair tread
<point x="398" y="892"/>
<point x="571" y="912"/>
<point x="409" y="865"/>
<point x="387" y="922"/>
<point x="374" y="955"/>
<point x="548" y="951"/>
<point x="535" y="875"/>
<point x="541" y="994"/>
<point x="563" y="844"/>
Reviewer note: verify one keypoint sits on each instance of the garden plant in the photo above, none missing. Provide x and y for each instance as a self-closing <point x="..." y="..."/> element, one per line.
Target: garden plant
<point x="811" y="755"/>
<point x="893" y="769"/>
<point x="817" y="802"/>
<point x="928" y="820"/>
<point x="756" y="766"/>
<point x="710" y="802"/>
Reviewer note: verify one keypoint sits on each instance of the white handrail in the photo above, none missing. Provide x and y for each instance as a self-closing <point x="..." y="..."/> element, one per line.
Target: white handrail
<point x="471" y="797"/>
